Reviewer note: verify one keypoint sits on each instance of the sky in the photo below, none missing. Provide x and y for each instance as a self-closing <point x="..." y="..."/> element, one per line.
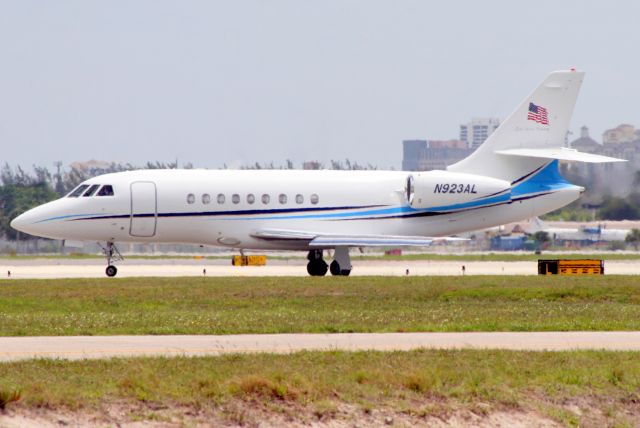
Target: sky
<point x="235" y="82"/>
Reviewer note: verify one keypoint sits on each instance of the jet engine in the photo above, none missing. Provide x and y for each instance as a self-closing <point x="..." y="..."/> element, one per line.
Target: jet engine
<point x="432" y="189"/>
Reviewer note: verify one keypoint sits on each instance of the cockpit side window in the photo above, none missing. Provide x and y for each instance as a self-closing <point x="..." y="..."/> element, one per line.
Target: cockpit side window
<point x="78" y="191"/>
<point x="106" y="190"/>
<point x="91" y="190"/>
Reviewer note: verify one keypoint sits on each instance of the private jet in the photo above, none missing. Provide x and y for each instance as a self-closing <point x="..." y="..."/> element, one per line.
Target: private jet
<point x="513" y="176"/>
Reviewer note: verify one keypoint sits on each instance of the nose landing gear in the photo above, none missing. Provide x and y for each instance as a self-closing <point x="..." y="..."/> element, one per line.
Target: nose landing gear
<point x="113" y="255"/>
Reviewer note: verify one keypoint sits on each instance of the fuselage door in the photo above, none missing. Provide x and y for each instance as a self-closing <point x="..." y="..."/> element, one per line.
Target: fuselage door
<point x="144" y="209"/>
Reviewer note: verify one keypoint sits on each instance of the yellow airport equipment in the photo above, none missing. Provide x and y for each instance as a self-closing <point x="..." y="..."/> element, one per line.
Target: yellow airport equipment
<point x="256" y="260"/>
<point x="571" y="267"/>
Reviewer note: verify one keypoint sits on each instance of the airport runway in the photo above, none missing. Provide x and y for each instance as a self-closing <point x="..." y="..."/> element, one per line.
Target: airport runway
<point x="94" y="268"/>
<point x="83" y="347"/>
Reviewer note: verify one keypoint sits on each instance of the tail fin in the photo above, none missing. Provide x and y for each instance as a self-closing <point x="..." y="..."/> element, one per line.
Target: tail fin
<point x="541" y="121"/>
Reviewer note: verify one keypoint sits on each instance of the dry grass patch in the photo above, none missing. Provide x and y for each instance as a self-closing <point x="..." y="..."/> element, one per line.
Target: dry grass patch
<point x="586" y="387"/>
<point x="255" y="386"/>
<point x="9" y="396"/>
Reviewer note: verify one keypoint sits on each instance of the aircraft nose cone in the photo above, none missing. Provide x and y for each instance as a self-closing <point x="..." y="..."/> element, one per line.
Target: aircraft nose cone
<point x="27" y="222"/>
<point x="19" y="223"/>
<point x="38" y="221"/>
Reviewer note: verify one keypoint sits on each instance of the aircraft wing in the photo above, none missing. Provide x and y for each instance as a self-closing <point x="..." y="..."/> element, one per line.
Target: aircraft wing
<point x="328" y="240"/>
<point x="560" y="153"/>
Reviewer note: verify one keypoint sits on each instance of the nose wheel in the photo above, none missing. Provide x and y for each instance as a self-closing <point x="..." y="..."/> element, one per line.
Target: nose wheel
<point x="111" y="271"/>
<point x="113" y="255"/>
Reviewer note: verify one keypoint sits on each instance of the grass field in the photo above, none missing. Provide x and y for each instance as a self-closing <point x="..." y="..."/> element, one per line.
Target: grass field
<point x="585" y="388"/>
<point x="289" y="305"/>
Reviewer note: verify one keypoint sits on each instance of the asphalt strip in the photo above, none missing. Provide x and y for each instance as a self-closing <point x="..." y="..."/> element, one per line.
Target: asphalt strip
<point x="92" y="347"/>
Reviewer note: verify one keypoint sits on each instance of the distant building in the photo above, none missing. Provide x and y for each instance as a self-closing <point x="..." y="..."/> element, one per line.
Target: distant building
<point x="426" y="155"/>
<point x="622" y="142"/>
<point x="585" y="143"/>
<point x="478" y="130"/>
<point x="624" y="133"/>
<point x="508" y="243"/>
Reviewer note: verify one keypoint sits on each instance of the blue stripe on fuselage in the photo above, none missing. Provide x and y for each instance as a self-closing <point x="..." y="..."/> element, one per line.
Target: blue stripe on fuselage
<point x="71" y="217"/>
<point x="546" y="180"/>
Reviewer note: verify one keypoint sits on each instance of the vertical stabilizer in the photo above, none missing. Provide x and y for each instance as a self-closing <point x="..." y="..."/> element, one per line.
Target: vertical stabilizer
<point x="541" y="121"/>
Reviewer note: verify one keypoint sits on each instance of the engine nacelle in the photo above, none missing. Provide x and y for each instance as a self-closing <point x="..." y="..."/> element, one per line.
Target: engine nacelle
<point x="431" y="189"/>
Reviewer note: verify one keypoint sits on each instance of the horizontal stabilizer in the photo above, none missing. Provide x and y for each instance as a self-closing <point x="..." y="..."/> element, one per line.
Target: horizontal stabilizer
<point x="560" y="153"/>
<point x="327" y="240"/>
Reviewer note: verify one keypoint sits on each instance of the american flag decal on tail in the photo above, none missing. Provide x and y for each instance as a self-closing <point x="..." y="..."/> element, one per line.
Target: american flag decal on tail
<point x="538" y="114"/>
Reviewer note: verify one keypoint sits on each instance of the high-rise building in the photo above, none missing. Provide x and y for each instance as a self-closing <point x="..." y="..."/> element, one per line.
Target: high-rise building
<point x="478" y="130"/>
<point x="425" y="155"/>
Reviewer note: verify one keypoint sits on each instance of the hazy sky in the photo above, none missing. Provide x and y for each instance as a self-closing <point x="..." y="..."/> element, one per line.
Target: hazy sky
<point x="237" y="81"/>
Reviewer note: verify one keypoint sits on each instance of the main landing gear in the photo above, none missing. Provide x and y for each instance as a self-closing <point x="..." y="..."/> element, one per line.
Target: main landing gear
<point x="316" y="266"/>
<point x="341" y="264"/>
<point x="113" y="255"/>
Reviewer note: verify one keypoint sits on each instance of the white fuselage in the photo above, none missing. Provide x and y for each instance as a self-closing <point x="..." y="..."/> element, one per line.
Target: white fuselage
<point x="185" y="206"/>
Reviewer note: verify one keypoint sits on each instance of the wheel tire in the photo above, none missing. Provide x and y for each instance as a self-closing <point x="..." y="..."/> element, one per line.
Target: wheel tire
<point x="111" y="271"/>
<point x="317" y="268"/>
<point x="336" y="271"/>
<point x="335" y="268"/>
<point x="322" y="268"/>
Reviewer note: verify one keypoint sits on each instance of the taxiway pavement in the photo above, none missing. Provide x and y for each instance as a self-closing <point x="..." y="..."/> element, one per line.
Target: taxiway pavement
<point x="92" y="347"/>
<point x="93" y="268"/>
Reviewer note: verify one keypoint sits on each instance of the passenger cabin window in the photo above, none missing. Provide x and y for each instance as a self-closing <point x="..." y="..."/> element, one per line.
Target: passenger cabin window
<point x="265" y="199"/>
<point x="314" y="199"/>
<point x="221" y="198"/>
<point x="91" y="190"/>
<point x="106" y="190"/>
<point x="206" y="198"/>
<point x="79" y="190"/>
<point x="299" y="199"/>
<point x="251" y="198"/>
<point x="282" y="198"/>
<point x="191" y="198"/>
<point x="235" y="198"/>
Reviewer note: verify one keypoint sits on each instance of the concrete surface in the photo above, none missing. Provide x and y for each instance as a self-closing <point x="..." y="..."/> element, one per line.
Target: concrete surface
<point x="81" y="347"/>
<point x="94" y="268"/>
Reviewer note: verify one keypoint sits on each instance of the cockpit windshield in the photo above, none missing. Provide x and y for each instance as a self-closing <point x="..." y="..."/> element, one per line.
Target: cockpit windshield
<point x="78" y="191"/>
<point x="106" y="190"/>
<point x="91" y="190"/>
<point x="88" y="190"/>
